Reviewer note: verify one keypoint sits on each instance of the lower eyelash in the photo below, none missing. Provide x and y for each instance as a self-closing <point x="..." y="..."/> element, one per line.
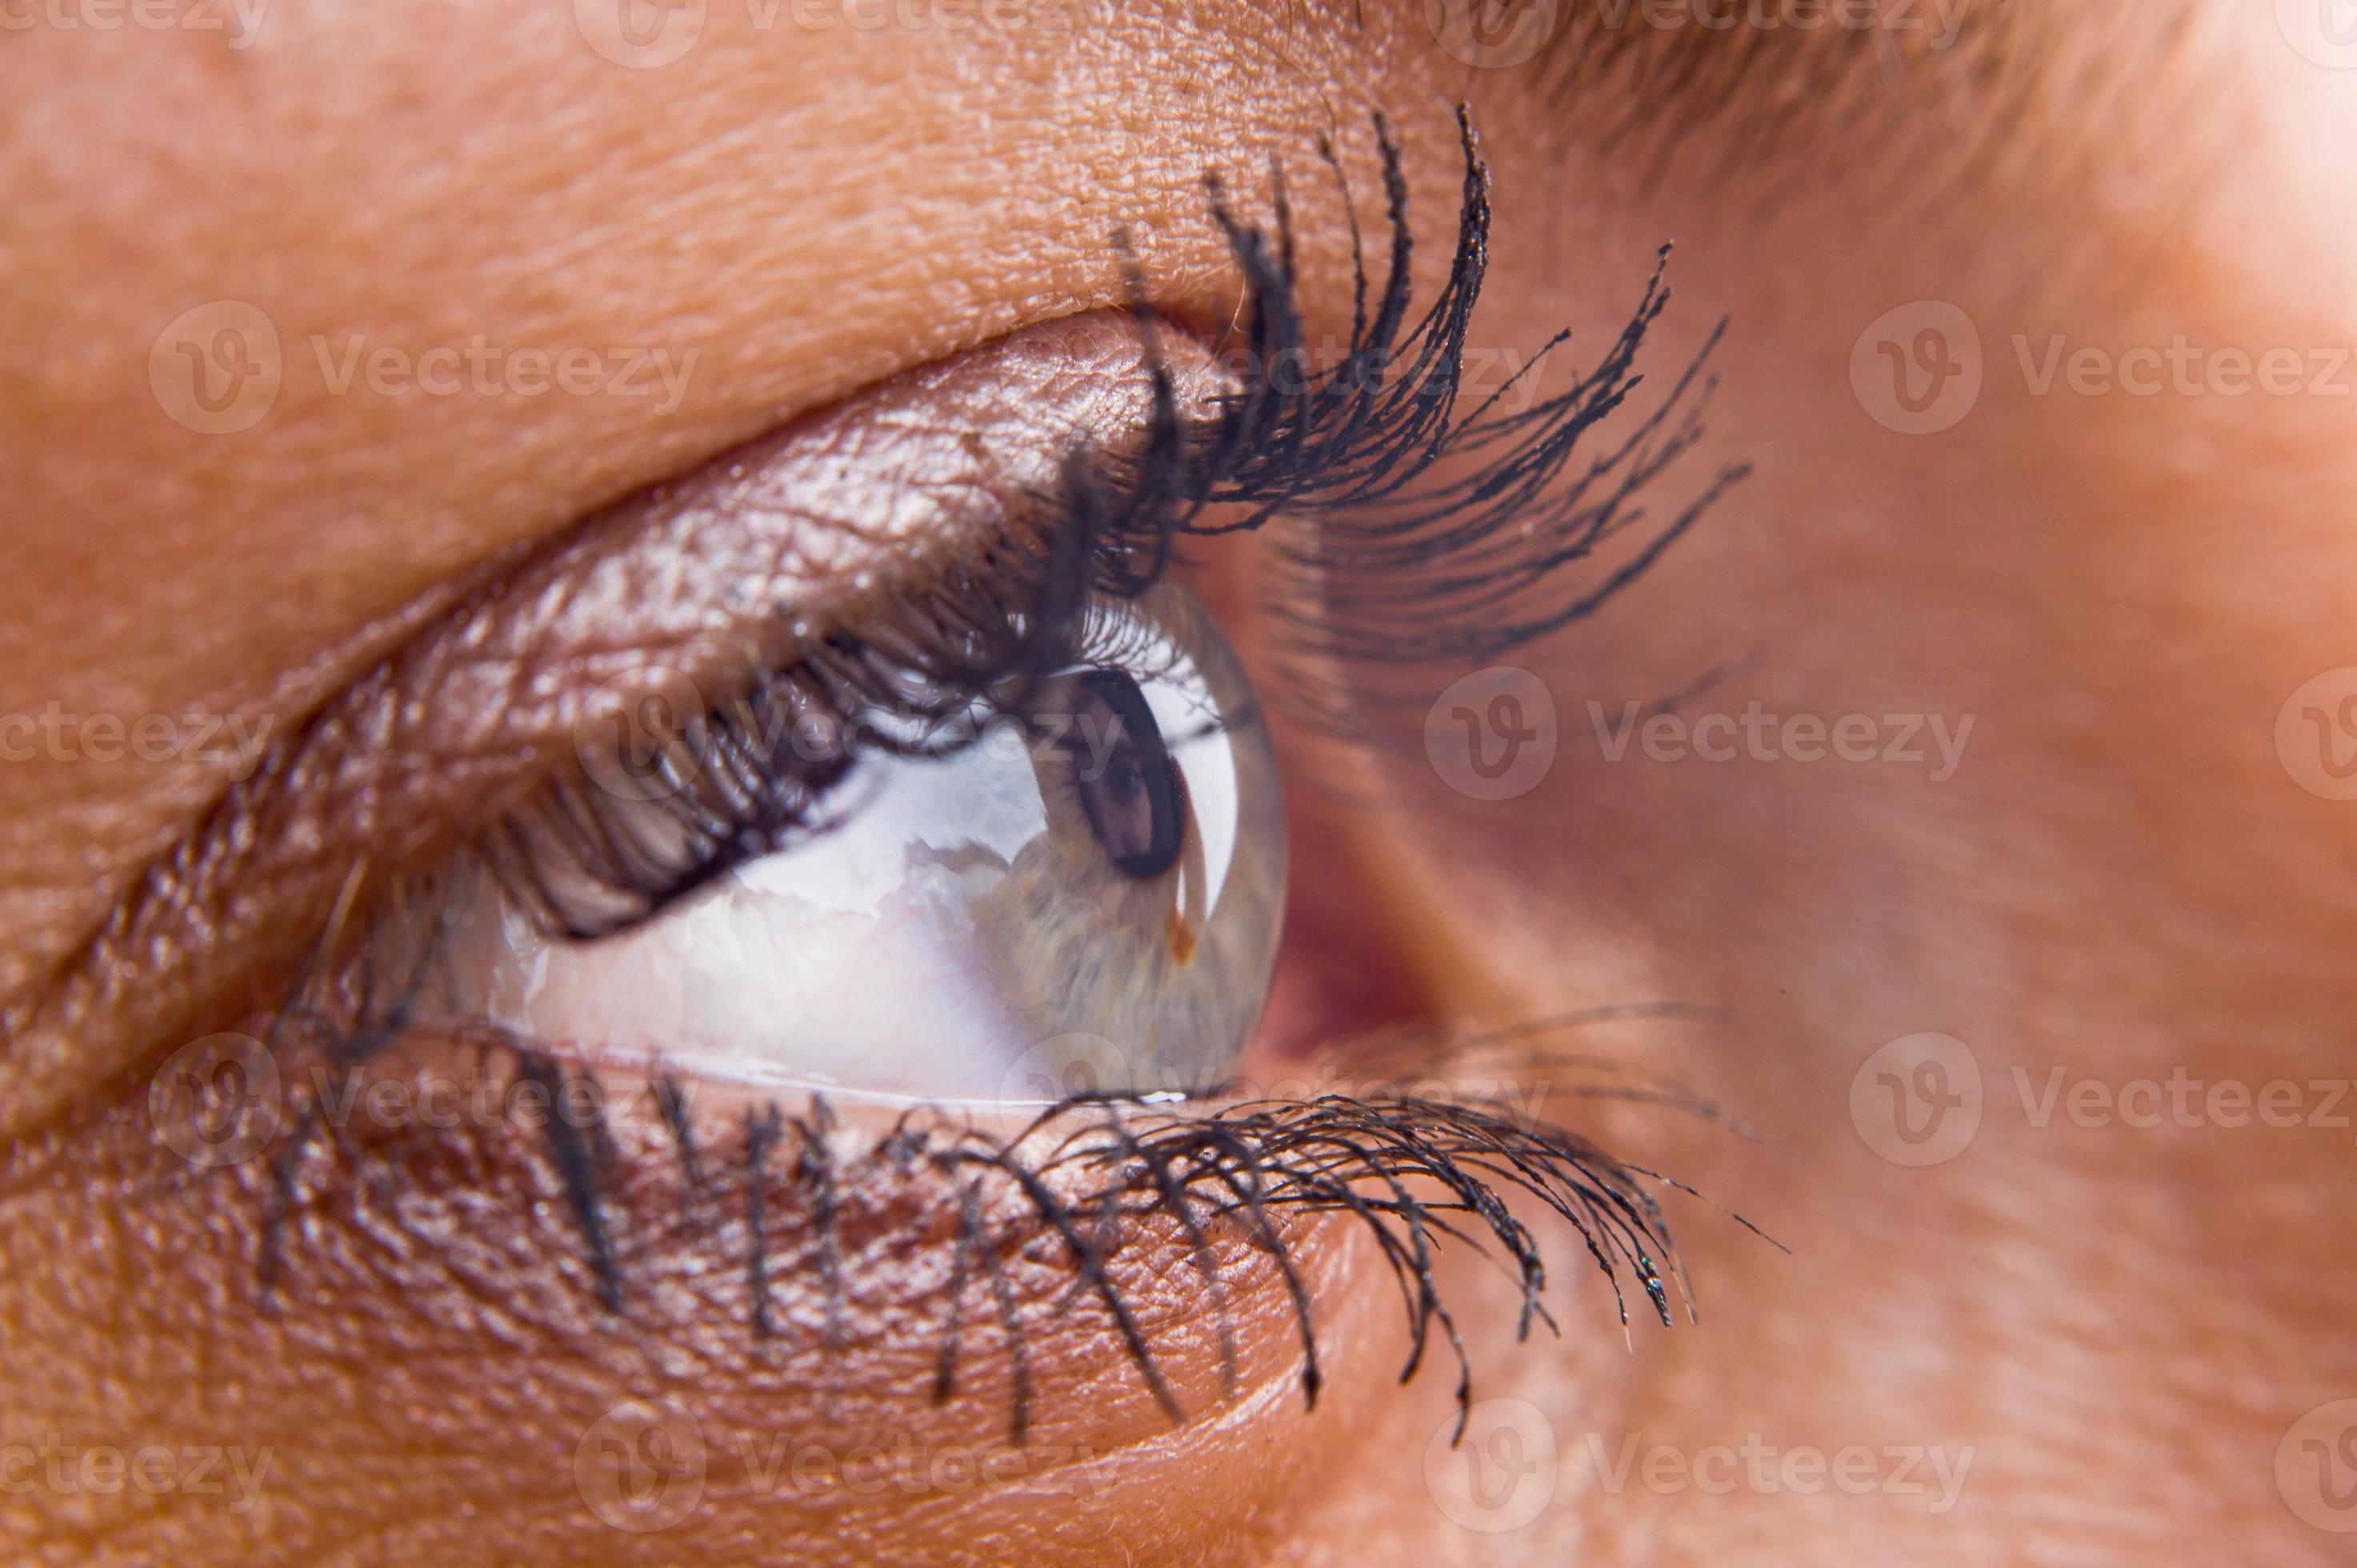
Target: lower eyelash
<point x="1093" y="1174"/>
<point x="1411" y="1170"/>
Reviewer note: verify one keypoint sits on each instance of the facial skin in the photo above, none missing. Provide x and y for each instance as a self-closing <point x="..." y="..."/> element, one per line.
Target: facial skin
<point x="2120" y="875"/>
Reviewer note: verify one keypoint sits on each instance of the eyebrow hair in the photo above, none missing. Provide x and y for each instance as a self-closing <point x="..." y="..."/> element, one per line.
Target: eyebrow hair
<point x="1975" y="93"/>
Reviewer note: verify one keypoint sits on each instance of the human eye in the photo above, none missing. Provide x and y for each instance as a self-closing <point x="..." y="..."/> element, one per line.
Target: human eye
<point x="1029" y="782"/>
<point x="849" y="877"/>
<point x="1023" y="820"/>
<point x="1083" y="888"/>
<point x="1008" y="829"/>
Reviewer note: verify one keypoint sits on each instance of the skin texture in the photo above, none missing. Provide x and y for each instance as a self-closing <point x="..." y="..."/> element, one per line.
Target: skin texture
<point x="2122" y="878"/>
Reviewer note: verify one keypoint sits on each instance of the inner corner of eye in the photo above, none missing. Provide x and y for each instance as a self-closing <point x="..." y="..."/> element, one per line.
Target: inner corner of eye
<point x="1084" y="896"/>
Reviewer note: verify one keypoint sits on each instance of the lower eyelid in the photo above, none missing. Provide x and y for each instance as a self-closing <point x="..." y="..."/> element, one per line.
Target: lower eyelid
<point x="422" y="1318"/>
<point x="814" y="1278"/>
<point x="404" y="1246"/>
<point x="512" y="1177"/>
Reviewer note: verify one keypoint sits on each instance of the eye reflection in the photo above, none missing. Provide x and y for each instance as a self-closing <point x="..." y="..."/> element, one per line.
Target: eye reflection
<point x="1090" y="895"/>
<point x="1133" y="796"/>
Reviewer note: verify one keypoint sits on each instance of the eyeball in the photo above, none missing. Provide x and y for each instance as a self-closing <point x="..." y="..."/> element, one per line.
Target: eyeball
<point x="1088" y="897"/>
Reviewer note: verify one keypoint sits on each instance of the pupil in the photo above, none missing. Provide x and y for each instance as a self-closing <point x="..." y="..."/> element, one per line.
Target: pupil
<point x="1128" y="786"/>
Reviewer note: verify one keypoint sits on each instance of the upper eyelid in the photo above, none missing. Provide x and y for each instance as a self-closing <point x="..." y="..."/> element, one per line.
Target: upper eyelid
<point x="447" y="732"/>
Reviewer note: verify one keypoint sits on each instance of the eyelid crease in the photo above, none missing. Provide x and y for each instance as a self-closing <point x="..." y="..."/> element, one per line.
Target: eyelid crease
<point x="703" y="576"/>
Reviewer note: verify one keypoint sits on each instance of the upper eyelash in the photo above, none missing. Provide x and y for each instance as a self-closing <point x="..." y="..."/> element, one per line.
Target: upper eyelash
<point x="1362" y="430"/>
<point x="1388" y="568"/>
